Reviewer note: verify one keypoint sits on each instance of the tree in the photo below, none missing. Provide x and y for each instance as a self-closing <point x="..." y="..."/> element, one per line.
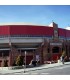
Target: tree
<point x="19" y="60"/>
<point x="63" y="53"/>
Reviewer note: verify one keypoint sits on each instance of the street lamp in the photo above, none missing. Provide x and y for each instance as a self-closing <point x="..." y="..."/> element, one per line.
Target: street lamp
<point x="2" y="60"/>
<point x="25" y="62"/>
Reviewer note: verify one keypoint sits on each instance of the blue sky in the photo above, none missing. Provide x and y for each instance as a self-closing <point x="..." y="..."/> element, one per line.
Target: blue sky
<point x="42" y="14"/>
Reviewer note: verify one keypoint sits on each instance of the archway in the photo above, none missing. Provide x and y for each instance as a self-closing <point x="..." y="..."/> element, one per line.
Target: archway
<point x="5" y="63"/>
<point x="55" y="50"/>
<point x="55" y="53"/>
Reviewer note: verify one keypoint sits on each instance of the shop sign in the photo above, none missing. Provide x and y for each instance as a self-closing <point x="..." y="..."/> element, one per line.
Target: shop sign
<point x="37" y="58"/>
<point x="56" y="44"/>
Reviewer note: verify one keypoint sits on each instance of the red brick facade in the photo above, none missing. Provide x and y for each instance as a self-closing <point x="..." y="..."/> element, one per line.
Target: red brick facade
<point x="54" y="41"/>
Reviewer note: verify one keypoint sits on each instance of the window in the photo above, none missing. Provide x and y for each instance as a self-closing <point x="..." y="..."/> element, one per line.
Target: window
<point x="4" y="53"/>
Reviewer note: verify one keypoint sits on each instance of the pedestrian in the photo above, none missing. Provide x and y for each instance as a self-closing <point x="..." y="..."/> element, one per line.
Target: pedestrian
<point x="63" y="56"/>
<point x="65" y="59"/>
<point x="62" y="59"/>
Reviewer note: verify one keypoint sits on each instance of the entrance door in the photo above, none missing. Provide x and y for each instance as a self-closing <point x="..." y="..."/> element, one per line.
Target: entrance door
<point x="5" y="63"/>
<point x="55" y="53"/>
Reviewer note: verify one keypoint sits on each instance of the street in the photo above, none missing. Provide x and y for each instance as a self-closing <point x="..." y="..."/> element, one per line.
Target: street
<point x="60" y="70"/>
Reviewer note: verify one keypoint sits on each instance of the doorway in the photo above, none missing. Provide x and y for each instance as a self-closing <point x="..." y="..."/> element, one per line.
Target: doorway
<point x="5" y="63"/>
<point x="55" y="53"/>
<point x="55" y="50"/>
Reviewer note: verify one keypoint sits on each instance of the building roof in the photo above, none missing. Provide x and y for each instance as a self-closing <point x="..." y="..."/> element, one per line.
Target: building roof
<point x="21" y="23"/>
<point x="30" y="29"/>
<point x="25" y="29"/>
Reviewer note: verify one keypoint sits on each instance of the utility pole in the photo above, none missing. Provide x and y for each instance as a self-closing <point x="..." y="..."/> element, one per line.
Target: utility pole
<point x="25" y="62"/>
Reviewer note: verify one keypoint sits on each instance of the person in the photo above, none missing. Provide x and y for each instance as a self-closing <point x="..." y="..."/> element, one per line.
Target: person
<point x="62" y="59"/>
<point x="65" y="59"/>
<point x="63" y="56"/>
<point x="38" y="62"/>
<point x="33" y="62"/>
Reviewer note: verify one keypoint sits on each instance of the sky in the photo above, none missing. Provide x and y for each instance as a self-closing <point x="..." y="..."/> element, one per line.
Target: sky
<point x="36" y="14"/>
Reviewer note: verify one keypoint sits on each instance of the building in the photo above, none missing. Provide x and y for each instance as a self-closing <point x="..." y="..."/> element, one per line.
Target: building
<point x="41" y="43"/>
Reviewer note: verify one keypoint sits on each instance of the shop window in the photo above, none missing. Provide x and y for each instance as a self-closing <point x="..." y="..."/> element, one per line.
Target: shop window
<point x="4" y="53"/>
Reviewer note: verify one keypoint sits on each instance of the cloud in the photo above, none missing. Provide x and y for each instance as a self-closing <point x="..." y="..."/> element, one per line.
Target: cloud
<point x="68" y="28"/>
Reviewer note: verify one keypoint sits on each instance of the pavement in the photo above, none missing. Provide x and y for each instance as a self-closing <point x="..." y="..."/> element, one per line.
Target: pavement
<point x="7" y="70"/>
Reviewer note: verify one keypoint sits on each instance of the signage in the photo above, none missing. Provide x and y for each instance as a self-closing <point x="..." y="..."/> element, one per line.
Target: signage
<point x="55" y="33"/>
<point x="37" y="58"/>
<point x="56" y="44"/>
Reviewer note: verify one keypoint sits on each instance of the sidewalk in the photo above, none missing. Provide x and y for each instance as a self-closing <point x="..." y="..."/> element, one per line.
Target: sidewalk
<point x="45" y="66"/>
